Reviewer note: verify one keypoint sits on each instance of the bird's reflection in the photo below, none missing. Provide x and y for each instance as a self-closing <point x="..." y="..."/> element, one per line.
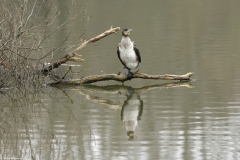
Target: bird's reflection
<point x="131" y="112"/>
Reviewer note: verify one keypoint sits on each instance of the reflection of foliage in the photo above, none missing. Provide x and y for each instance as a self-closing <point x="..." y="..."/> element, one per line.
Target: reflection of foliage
<point x="17" y="125"/>
<point x="30" y="128"/>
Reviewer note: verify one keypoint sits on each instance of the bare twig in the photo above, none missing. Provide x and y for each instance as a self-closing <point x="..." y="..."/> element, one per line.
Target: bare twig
<point x="72" y="55"/>
<point x="66" y="72"/>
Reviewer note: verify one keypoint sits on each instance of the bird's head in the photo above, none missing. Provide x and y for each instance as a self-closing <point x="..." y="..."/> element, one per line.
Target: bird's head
<point x="126" y="32"/>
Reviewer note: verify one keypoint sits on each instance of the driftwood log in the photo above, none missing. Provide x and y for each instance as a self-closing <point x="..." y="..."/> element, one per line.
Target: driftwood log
<point x="121" y="78"/>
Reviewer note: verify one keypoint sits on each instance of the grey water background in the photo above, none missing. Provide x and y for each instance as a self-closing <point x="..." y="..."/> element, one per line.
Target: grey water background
<point x="199" y="120"/>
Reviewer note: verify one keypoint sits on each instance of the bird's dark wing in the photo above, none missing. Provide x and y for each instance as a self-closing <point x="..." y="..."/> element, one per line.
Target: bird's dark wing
<point x="137" y="53"/>
<point x="118" y="52"/>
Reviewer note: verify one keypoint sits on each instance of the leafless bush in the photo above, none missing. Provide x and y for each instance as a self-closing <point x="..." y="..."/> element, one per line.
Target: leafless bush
<point x="24" y="39"/>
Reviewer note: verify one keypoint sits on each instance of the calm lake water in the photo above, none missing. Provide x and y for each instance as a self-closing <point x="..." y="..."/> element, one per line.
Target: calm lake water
<point x="145" y="119"/>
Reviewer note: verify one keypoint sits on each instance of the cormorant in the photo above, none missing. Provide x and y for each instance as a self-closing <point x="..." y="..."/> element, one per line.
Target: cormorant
<point x="128" y="53"/>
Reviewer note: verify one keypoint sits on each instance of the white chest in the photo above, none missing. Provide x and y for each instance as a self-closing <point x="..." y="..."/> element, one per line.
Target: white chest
<point x="128" y="57"/>
<point x="127" y="54"/>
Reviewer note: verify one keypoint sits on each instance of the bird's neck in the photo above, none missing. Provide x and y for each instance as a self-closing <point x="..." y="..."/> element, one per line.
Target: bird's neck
<point x="126" y="38"/>
<point x="126" y="41"/>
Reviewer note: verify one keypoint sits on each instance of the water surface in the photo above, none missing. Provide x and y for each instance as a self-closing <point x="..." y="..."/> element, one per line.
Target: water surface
<point x="145" y="119"/>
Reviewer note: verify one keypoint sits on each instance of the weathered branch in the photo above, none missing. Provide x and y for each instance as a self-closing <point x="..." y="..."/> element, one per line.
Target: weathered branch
<point x="72" y="56"/>
<point x="122" y="78"/>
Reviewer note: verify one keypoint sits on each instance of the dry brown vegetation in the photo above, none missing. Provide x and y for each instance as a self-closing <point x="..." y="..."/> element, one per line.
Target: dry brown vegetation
<point x="24" y="39"/>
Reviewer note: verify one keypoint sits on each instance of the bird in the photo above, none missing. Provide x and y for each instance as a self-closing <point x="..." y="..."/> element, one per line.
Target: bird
<point x="128" y="53"/>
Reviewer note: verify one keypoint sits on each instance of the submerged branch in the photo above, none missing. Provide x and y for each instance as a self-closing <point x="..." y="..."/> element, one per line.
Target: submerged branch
<point x="72" y="56"/>
<point x="121" y="78"/>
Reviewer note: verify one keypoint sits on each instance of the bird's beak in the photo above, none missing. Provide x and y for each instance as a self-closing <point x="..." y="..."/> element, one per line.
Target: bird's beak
<point x="128" y="31"/>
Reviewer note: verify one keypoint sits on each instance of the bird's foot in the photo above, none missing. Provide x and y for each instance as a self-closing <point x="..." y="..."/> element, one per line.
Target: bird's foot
<point x="130" y="75"/>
